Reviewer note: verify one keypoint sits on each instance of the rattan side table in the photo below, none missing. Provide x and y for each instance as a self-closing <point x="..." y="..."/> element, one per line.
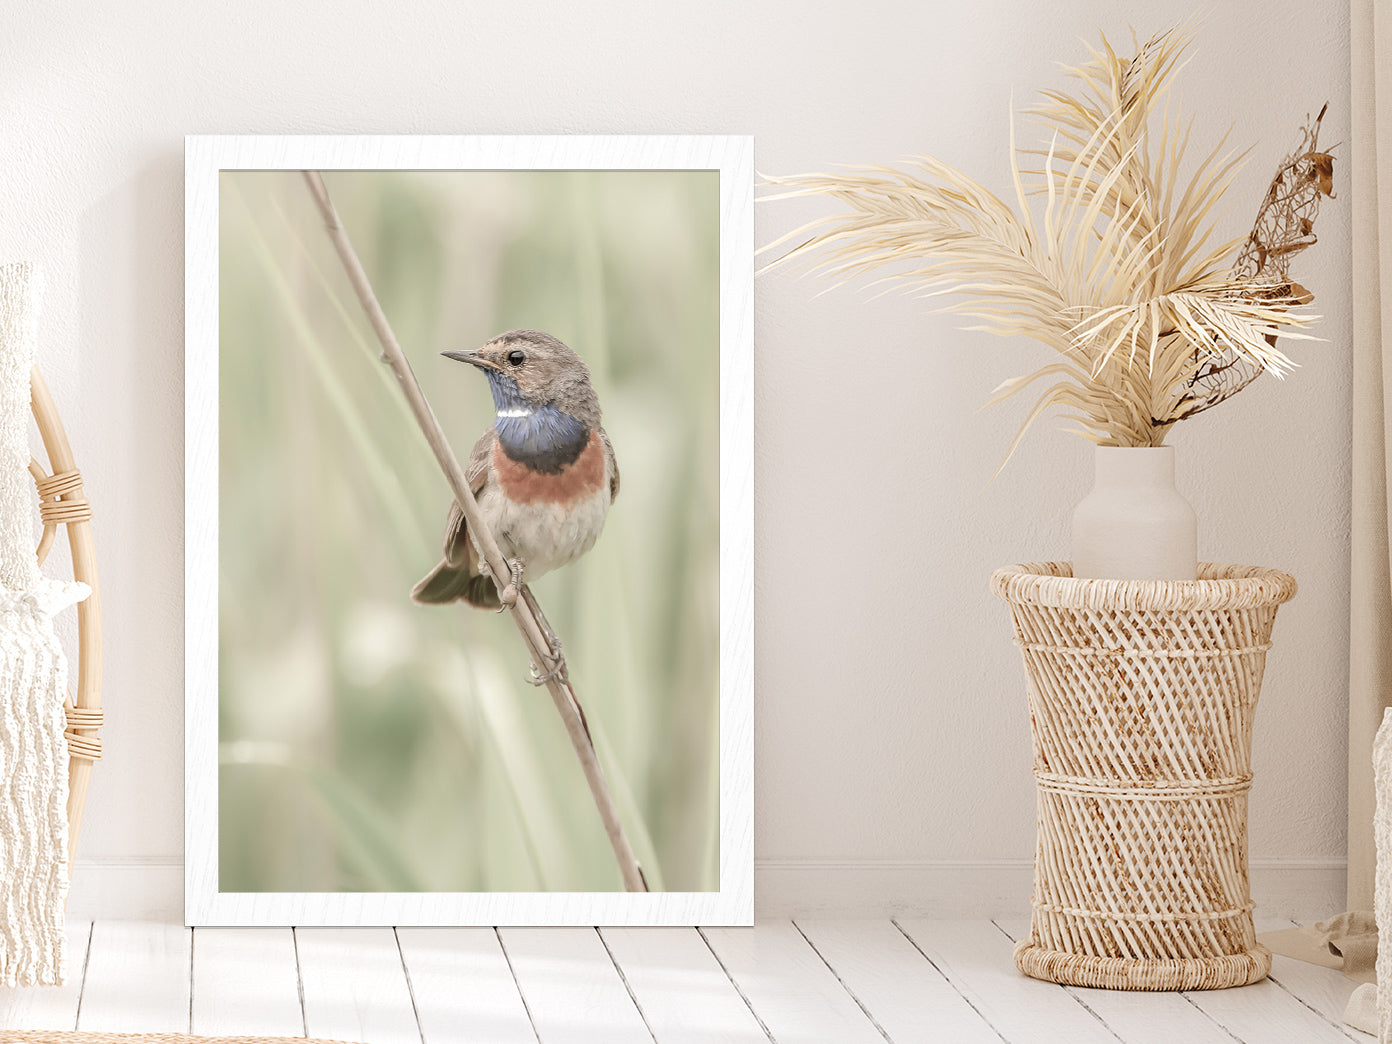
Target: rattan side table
<point x="1141" y="696"/>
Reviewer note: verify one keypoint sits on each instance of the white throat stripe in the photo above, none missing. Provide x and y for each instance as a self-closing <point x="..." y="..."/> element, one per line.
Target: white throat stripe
<point x="518" y="412"/>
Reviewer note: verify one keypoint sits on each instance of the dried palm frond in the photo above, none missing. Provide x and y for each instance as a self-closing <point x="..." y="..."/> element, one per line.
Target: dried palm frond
<point x="1119" y="273"/>
<point x="1285" y="226"/>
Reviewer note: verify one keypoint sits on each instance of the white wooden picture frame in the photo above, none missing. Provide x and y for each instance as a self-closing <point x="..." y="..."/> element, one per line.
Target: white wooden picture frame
<point x="729" y="899"/>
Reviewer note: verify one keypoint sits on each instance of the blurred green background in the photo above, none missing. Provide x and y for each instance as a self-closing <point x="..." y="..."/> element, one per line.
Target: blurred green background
<point x="369" y="744"/>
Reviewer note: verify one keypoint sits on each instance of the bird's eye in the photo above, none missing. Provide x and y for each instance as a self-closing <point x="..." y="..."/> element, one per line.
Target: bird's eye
<point x="516" y="358"/>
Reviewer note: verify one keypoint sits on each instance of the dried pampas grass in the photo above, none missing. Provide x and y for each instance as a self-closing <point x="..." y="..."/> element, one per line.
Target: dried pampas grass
<point x="1119" y="273"/>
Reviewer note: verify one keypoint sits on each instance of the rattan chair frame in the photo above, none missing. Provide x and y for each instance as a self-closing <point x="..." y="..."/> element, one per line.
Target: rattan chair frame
<point x="63" y="502"/>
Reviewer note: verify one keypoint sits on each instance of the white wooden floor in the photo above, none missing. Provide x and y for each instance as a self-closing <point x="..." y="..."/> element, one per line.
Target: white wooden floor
<point x="838" y="982"/>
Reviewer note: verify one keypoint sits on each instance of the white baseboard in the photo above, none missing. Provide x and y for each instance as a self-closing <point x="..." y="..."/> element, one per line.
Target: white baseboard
<point x="1302" y="890"/>
<point x="887" y="888"/>
<point x="1298" y="889"/>
<point x="127" y="890"/>
<point x="153" y="889"/>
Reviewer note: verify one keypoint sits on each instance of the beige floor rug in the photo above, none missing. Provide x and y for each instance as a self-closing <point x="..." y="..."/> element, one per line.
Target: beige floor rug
<point x="1346" y="943"/>
<point x="60" y="1037"/>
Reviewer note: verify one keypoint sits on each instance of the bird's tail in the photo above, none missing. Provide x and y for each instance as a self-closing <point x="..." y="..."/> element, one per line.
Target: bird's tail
<point x="448" y="583"/>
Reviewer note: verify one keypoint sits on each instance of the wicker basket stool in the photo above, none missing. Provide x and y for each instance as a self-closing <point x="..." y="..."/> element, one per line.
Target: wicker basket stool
<point x="1141" y="696"/>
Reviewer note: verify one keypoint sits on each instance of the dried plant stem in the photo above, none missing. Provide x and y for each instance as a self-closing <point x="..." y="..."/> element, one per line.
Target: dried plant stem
<point x="562" y="692"/>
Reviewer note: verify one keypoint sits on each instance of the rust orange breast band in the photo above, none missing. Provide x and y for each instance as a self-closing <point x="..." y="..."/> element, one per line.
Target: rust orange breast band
<point x="581" y="478"/>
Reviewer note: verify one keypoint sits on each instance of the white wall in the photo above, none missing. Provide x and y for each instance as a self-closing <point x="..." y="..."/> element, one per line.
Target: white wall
<point x="892" y="744"/>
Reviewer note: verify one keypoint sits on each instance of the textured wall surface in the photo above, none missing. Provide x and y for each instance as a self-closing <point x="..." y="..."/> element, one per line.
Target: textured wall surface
<point x="892" y="743"/>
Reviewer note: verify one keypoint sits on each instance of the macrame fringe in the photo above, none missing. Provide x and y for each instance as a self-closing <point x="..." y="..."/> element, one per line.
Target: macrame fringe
<point x="33" y="800"/>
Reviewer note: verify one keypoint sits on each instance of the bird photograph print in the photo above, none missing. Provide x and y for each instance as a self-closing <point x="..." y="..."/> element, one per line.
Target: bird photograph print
<point x="425" y="691"/>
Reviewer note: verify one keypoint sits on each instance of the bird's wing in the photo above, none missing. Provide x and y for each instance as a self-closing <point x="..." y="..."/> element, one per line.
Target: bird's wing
<point x="458" y="548"/>
<point x="613" y="465"/>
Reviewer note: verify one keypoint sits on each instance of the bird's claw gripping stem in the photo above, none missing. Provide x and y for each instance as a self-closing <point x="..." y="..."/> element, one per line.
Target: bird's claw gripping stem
<point x="507" y="595"/>
<point x="558" y="671"/>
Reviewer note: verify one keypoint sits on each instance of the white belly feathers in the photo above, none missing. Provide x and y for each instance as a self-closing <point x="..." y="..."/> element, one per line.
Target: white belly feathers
<point x="545" y="536"/>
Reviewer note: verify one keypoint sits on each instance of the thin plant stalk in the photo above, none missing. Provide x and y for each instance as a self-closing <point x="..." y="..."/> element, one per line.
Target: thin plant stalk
<point x="562" y="692"/>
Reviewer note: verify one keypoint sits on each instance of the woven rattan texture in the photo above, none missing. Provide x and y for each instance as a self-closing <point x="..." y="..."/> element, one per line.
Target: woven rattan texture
<point x="1141" y="698"/>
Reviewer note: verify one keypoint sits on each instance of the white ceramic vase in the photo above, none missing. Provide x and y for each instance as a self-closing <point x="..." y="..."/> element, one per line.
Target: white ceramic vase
<point x="1134" y="525"/>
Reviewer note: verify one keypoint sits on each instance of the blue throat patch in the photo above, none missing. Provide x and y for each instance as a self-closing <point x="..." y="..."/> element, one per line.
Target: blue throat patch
<point x="542" y="437"/>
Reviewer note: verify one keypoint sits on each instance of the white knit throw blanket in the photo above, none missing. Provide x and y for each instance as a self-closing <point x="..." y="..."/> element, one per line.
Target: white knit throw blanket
<point x="33" y="680"/>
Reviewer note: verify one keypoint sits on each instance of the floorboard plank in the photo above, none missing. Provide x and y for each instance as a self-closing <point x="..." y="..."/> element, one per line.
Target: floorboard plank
<point x="1266" y="1014"/>
<point x="50" y="1007"/>
<point x="573" y="991"/>
<point x="906" y="996"/>
<point x="792" y="991"/>
<point x="683" y="993"/>
<point x="463" y="987"/>
<point x="977" y="958"/>
<point x="137" y="979"/>
<point x="1140" y="1017"/>
<point x="246" y="982"/>
<point x="355" y="986"/>
<point x="1323" y="989"/>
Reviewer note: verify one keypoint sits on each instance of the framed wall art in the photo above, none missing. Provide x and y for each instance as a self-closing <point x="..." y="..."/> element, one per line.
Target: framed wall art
<point x="365" y="741"/>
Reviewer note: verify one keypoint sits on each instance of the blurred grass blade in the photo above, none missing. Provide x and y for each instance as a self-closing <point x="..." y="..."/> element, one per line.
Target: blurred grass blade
<point x="366" y="839"/>
<point x="629" y="808"/>
<point x="525" y="779"/>
<point x="382" y="474"/>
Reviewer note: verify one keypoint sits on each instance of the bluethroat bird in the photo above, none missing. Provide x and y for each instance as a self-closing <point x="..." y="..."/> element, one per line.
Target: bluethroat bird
<point x="544" y="473"/>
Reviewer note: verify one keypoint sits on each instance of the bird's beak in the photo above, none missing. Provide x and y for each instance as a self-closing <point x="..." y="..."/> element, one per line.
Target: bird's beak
<point x="472" y="358"/>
